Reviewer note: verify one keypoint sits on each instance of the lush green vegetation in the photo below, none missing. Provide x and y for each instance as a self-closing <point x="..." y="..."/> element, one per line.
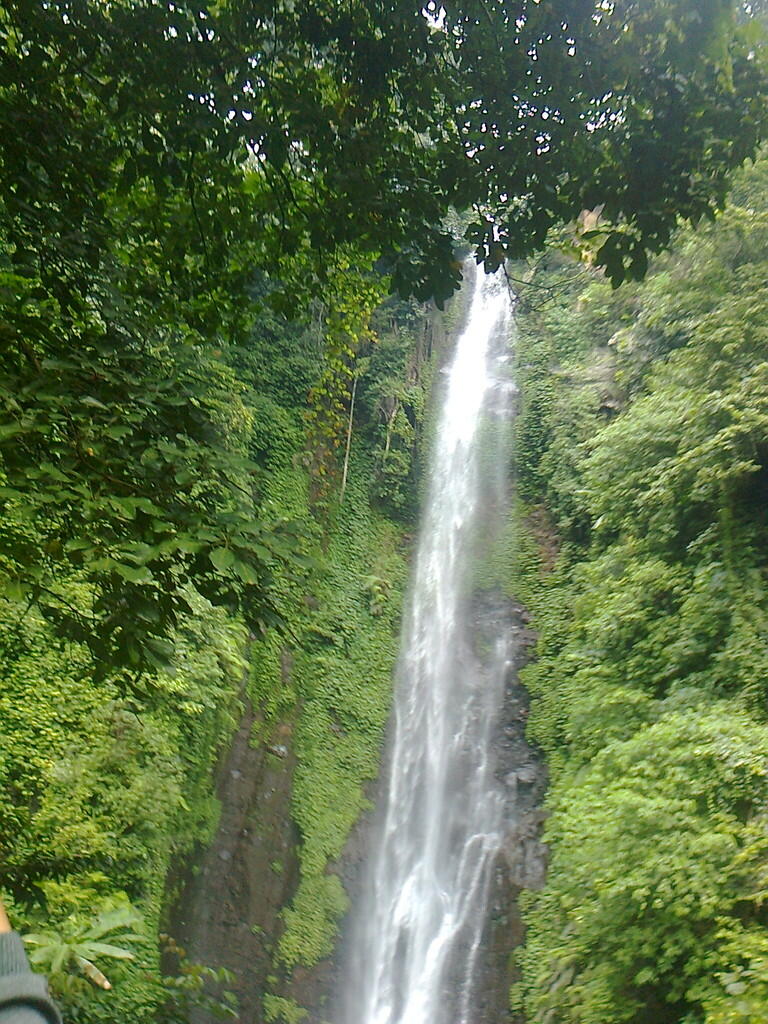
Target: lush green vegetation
<point x="191" y="485"/>
<point x="343" y="679"/>
<point x="643" y="433"/>
<point x="100" y="792"/>
<point x="341" y="649"/>
<point x="107" y="776"/>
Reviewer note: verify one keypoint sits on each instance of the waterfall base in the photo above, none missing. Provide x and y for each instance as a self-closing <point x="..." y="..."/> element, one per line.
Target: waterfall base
<point x="522" y="772"/>
<point x="522" y="864"/>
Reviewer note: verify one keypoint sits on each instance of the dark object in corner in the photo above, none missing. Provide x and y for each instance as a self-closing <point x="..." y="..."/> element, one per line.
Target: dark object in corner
<point x="24" y="995"/>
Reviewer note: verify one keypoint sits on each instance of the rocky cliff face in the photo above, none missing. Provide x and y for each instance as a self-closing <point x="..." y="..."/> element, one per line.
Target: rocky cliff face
<point x="228" y="912"/>
<point x="521" y="771"/>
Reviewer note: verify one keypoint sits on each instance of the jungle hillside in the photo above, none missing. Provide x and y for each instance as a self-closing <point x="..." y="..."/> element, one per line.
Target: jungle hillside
<point x="233" y="237"/>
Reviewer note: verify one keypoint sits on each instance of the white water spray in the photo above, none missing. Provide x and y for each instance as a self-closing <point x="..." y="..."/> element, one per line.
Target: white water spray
<point x="422" y="920"/>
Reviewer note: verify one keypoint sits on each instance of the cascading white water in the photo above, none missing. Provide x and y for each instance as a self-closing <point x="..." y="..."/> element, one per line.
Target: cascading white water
<point x="422" y="920"/>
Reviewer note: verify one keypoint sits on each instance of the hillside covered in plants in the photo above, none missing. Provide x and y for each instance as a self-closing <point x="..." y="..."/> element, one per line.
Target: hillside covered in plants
<point x="107" y="776"/>
<point x="642" y="475"/>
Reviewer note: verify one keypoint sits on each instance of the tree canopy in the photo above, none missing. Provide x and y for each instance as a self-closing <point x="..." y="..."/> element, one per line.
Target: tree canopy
<point x="154" y="157"/>
<point x="273" y="128"/>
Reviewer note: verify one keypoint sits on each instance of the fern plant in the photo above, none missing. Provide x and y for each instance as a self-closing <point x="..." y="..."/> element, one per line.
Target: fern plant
<point x="70" y="952"/>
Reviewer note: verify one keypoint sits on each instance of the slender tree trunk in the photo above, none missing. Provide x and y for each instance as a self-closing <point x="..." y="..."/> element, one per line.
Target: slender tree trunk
<point x="349" y="439"/>
<point x="390" y="425"/>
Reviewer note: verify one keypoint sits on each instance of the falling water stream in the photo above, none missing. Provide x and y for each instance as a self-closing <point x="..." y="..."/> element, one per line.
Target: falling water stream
<point x="422" y="920"/>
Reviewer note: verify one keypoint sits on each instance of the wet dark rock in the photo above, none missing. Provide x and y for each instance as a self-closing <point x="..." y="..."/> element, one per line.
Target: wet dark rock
<point x="527" y="775"/>
<point x="521" y="771"/>
<point x="228" y="911"/>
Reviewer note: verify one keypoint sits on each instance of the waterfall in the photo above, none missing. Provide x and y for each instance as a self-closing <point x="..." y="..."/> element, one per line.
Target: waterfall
<point x="421" y="922"/>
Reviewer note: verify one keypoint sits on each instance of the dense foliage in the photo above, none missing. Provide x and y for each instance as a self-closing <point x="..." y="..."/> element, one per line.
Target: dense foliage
<point x="643" y="430"/>
<point x="175" y="180"/>
<point x="106" y="778"/>
<point x="154" y="156"/>
<point x="100" y="792"/>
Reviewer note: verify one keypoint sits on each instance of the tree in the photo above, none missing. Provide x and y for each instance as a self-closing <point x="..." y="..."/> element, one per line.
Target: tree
<point x="650" y="685"/>
<point x="154" y="156"/>
<point x="653" y="885"/>
<point x="360" y="124"/>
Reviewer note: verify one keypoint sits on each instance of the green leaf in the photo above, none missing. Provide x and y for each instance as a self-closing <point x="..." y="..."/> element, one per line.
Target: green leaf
<point x="222" y="558"/>
<point x="94" y="402"/>
<point x="90" y="950"/>
<point x="134" y="574"/>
